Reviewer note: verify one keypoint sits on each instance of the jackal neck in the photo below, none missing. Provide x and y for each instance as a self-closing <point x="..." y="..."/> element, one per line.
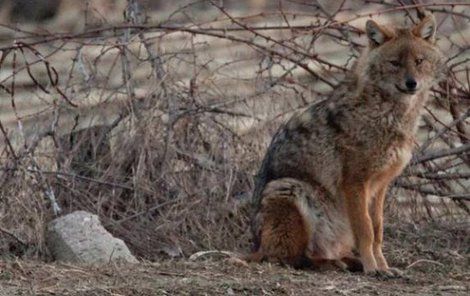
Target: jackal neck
<point x="397" y="111"/>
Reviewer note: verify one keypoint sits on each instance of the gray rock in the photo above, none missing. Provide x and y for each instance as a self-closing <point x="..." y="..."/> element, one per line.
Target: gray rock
<point x="80" y="237"/>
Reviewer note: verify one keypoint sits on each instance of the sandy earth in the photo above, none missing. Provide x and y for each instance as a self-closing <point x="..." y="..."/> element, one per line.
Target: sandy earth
<point x="215" y="277"/>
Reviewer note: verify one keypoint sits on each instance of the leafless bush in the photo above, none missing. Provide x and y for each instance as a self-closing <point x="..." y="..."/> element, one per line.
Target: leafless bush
<point x="158" y="123"/>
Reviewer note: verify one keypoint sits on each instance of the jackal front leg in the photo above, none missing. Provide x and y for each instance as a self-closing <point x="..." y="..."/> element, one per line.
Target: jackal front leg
<point x="356" y="195"/>
<point x="376" y="212"/>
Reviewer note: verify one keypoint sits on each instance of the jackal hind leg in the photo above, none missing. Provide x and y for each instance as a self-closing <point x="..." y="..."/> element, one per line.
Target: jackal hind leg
<point x="285" y="231"/>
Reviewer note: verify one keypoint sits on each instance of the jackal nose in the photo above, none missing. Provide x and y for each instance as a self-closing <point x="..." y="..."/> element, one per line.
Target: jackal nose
<point x="411" y="84"/>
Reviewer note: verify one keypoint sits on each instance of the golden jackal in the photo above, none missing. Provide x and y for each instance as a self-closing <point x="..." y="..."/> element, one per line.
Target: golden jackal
<point x="320" y="190"/>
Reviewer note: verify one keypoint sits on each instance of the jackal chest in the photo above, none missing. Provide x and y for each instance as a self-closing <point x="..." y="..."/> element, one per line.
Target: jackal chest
<point x="397" y="155"/>
<point x="390" y="165"/>
<point x="375" y="153"/>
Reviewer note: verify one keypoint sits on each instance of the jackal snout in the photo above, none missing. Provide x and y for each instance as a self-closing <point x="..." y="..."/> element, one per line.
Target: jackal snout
<point x="408" y="85"/>
<point x="411" y="83"/>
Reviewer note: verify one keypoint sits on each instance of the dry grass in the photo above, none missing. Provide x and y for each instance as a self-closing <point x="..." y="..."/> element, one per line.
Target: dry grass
<point x="159" y="127"/>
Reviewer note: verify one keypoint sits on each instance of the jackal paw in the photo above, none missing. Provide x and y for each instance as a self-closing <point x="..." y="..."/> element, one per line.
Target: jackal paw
<point x="386" y="274"/>
<point x="397" y="273"/>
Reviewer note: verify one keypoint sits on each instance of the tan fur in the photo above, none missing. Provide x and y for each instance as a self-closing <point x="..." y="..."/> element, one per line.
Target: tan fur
<point x="321" y="188"/>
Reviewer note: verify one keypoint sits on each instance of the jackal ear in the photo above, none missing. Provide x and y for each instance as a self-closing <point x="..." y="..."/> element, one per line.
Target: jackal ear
<point x="377" y="34"/>
<point x="426" y="29"/>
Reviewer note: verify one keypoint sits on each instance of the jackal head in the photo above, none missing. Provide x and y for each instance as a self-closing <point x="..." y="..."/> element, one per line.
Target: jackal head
<point x="403" y="61"/>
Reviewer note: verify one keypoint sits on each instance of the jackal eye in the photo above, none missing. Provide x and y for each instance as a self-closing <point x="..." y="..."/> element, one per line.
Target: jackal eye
<point x="418" y="61"/>
<point x="395" y="63"/>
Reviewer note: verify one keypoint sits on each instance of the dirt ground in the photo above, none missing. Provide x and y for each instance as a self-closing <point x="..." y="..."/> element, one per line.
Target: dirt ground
<point x="435" y="261"/>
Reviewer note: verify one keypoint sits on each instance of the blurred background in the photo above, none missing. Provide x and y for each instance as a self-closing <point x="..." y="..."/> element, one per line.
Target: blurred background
<point x="155" y="115"/>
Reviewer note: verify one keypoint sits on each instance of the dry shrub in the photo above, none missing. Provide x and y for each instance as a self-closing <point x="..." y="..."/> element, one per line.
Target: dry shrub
<point x="24" y="215"/>
<point x="159" y="128"/>
<point x="169" y="187"/>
